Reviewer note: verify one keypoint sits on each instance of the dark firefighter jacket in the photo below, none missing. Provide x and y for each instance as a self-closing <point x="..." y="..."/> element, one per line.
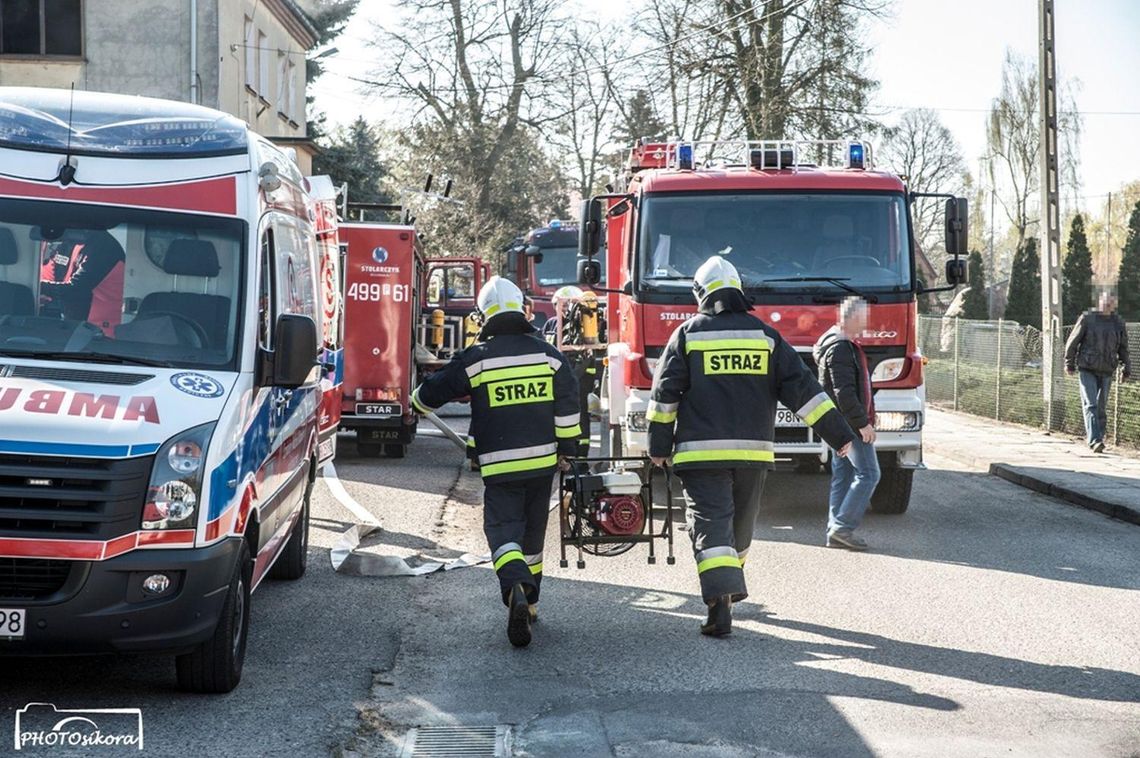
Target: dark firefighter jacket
<point x="524" y="403"/>
<point x="1098" y="343"/>
<point x="841" y="374"/>
<point x="719" y="380"/>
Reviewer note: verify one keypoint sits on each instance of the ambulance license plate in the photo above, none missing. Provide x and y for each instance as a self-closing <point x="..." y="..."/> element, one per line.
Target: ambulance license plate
<point x="383" y="410"/>
<point x="784" y="417"/>
<point x="11" y="623"/>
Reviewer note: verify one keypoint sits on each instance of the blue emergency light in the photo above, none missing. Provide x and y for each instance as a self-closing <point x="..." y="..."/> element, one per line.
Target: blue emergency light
<point x="855" y="157"/>
<point x="555" y="224"/>
<point x="685" y="156"/>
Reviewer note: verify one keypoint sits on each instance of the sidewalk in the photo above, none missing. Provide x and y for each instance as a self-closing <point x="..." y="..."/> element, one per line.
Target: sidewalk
<point x="1053" y="465"/>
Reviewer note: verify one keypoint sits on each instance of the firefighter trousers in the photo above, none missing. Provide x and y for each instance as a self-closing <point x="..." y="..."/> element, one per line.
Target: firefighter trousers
<point x="721" y="510"/>
<point x="514" y="520"/>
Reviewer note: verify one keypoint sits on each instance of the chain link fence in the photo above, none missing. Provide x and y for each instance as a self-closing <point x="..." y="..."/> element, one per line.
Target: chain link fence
<point x="994" y="369"/>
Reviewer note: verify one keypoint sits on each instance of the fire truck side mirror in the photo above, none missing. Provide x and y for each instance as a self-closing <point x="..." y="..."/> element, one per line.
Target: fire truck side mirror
<point x="956" y="272"/>
<point x="294" y="351"/>
<point x="590" y="228"/>
<point x="957" y="226"/>
<point x="589" y="271"/>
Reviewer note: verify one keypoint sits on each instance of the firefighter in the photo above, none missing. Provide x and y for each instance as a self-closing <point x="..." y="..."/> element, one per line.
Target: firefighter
<point x="713" y="409"/>
<point x="524" y="421"/>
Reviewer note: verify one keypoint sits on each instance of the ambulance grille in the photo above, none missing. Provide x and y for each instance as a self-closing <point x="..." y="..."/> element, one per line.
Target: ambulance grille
<point x="32" y="578"/>
<point x="86" y="376"/>
<point x="71" y="498"/>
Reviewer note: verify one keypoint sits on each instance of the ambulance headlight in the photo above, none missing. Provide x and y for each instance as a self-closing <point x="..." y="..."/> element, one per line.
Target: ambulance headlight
<point x="898" y="421"/>
<point x="176" y="480"/>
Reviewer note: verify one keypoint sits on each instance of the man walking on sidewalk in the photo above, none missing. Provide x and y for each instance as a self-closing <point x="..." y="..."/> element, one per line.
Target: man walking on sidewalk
<point x="1098" y="344"/>
<point x="844" y="375"/>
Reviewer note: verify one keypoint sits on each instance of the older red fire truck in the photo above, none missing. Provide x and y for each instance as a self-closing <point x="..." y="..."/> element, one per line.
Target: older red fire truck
<point x="543" y="261"/>
<point x="803" y="237"/>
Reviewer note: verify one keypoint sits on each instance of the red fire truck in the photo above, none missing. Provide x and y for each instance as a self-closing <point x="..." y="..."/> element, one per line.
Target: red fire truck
<point x="541" y="262"/>
<point x="803" y="237"/>
<point x="326" y="225"/>
<point x="404" y="315"/>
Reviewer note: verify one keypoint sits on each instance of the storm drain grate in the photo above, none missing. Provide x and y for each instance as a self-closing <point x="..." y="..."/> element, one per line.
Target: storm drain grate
<point x="457" y="742"/>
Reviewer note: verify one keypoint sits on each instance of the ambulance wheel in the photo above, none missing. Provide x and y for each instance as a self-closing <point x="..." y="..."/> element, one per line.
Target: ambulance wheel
<point x="892" y="496"/>
<point x="291" y="563"/>
<point x="215" y="665"/>
<point x="369" y="449"/>
<point x="395" y="450"/>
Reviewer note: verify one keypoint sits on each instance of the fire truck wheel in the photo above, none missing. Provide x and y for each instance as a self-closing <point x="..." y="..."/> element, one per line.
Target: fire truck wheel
<point x="291" y="563"/>
<point x="215" y="665"/>
<point x="395" y="451"/>
<point x="369" y="449"/>
<point x="892" y="496"/>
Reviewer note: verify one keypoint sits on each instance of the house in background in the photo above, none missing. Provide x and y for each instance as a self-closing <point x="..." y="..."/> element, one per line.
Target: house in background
<point x="244" y="57"/>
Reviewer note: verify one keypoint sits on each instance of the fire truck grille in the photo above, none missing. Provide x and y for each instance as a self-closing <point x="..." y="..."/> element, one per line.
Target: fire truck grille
<point x="32" y="578"/>
<point x="71" y="498"/>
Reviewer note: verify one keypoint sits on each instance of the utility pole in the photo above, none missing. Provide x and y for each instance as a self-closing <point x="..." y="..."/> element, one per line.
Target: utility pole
<point x="1105" y="274"/>
<point x="1050" y="226"/>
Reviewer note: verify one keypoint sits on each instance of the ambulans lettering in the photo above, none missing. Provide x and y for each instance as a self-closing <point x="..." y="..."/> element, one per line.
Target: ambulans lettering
<point x="80" y="404"/>
<point x="518" y="391"/>
<point x="736" y="361"/>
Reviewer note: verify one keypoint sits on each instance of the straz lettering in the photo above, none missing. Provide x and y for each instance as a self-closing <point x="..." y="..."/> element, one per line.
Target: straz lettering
<point x="518" y="391"/>
<point x="81" y="404"/>
<point x="736" y="362"/>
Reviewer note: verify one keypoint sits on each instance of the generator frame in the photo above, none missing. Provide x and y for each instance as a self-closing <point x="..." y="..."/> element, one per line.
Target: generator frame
<point x="573" y="536"/>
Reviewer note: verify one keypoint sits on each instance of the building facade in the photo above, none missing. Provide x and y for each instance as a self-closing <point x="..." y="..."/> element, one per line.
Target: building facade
<point x="244" y="57"/>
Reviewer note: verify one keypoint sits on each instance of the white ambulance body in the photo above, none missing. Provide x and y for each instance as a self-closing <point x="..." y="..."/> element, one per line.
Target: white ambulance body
<point x="159" y="384"/>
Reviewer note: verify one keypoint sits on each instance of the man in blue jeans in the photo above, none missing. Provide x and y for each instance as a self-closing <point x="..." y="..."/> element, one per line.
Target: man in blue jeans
<point x="1098" y="344"/>
<point x="844" y="374"/>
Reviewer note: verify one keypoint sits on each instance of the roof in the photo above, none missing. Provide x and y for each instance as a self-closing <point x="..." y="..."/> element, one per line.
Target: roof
<point x="295" y="21"/>
<point x="742" y="178"/>
<point x="99" y="123"/>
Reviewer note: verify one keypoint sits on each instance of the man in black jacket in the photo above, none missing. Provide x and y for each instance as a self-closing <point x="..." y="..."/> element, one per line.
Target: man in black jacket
<point x="524" y="422"/>
<point x="844" y="375"/>
<point x="1098" y="344"/>
<point x="713" y="408"/>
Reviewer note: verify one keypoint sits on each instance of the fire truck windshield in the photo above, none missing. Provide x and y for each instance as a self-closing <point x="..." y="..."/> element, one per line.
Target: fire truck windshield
<point x="109" y="284"/>
<point x="559" y="266"/>
<point x="861" y="239"/>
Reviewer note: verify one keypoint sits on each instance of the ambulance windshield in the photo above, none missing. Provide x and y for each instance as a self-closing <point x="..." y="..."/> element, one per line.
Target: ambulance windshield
<point x="782" y="242"/>
<point x="119" y="285"/>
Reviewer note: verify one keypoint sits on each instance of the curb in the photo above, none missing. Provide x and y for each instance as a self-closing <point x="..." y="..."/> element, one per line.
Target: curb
<point x="1014" y="475"/>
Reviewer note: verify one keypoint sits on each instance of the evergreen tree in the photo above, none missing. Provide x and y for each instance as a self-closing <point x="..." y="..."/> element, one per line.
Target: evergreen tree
<point x="1024" y="302"/>
<point x="1128" y="282"/>
<point x="977" y="302"/>
<point x="1076" y="273"/>
<point x="638" y="120"/>
<point x="352" y="156"/>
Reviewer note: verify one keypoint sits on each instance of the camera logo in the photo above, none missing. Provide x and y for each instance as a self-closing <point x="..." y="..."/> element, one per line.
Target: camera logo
<point x="42" y="725"/>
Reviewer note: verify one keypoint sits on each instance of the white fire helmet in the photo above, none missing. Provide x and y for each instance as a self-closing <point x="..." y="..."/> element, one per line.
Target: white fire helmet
<point x="499" y="295"/>
<point x="714" y="274"/>
<point x="568" y="293"/>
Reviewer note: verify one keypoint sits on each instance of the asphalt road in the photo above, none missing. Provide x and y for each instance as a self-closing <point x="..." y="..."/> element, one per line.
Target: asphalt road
<point x="988" y="621"/>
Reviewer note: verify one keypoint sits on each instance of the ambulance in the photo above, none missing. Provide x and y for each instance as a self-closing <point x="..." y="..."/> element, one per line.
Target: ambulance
<point x="160" y="382"/>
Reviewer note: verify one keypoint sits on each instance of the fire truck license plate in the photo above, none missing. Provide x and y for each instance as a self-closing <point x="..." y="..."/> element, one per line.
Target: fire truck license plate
<point x="11" y="623"/>
<point x="377" y="409"/>
<point x="784" y="417"/>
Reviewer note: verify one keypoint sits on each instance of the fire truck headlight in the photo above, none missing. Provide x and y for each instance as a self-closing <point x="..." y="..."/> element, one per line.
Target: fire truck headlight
<point x="888" y="370"/>
<point x="176" y="480"/>
<point x="898" y="421"/>
<point x="636" y="422"/>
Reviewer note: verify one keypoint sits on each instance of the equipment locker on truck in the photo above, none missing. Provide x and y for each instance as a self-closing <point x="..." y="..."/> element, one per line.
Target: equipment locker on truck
<point x="159" y="421"/>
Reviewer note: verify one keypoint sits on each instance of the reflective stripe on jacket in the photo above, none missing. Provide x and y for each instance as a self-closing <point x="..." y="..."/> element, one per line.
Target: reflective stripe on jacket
<point x="524" y="404"/>
<point x="715" y="393"/>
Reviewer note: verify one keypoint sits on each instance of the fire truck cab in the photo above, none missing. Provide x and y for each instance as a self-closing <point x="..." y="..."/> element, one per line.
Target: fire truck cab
<point x="803" y="238"/>
<point x="541" y="262"/>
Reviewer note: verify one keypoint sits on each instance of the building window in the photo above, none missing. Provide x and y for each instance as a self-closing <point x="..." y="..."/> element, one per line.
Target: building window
<point x="282" y="81"/>
<point x="262" y="65"/>
<point x="291" y="94"/>
<point x="250" y="55"/>
<point x="41" y="27"/>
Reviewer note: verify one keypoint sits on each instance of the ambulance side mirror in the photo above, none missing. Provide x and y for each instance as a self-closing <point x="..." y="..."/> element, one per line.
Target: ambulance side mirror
<point x="294" y="357"/>
<point x="590" y="228"/>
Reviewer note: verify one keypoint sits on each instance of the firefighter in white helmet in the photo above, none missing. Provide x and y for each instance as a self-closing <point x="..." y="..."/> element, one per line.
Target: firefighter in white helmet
<point x="713" y="409"/>
<point x="524" y="420"/>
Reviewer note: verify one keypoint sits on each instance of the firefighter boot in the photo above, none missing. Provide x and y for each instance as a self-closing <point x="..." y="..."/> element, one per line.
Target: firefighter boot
<point x="518" y="617"/>
<point x="719" y="623"/>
